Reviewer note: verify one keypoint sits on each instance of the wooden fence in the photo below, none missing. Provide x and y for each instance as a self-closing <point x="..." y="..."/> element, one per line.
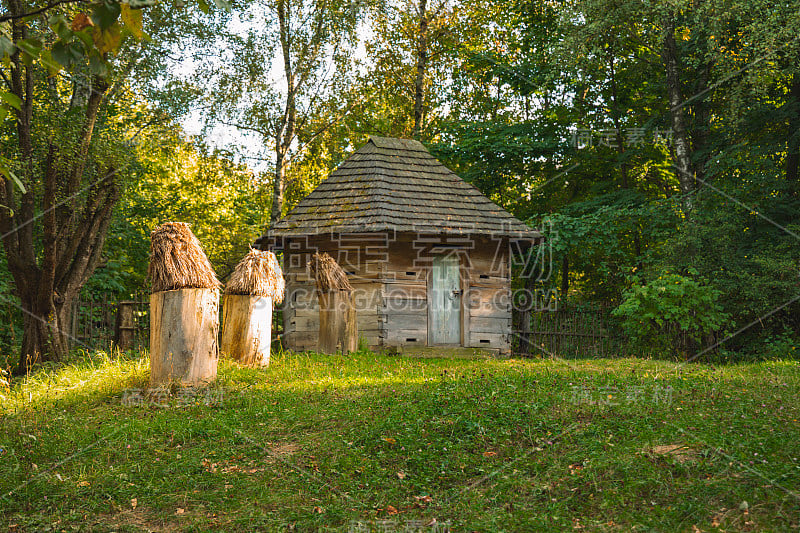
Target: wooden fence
<point x="567" y="332"/>
<point x="99" y="323"/>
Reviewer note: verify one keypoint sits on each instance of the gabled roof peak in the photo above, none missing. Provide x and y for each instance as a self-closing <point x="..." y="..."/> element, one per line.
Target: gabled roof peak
<point x="397" y="185"/>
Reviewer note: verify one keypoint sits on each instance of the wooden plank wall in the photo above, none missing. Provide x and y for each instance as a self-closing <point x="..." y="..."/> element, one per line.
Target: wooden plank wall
<point x="390" y="274"/>
<point x="487" y="278"/>
<point x="363" y="263"/>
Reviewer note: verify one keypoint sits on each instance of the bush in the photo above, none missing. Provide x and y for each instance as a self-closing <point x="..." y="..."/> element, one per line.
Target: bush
<point x="674" y="313"/>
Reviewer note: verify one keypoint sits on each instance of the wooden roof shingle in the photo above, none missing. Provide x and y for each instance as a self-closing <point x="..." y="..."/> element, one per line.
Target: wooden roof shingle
<point x="397" y="185"/>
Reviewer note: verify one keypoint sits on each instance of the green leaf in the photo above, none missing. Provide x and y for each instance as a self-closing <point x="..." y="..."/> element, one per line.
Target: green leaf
<point x="5" y="171"/>
<point x="3" y="113"/>
<point x="11" y="99"/>
<point x="87" y="37"/>
<point x="105" y="14"/>
<point x="18" y="182"/>
<point x="6" y="46"/>
<point x="98" y="65"/>
<point x="132" y="18"/>
<point x="203" y="5"/>
<point x="31" y="48"/>
<point x="108" y="40"/>
<point x="61" y="53"/>
<point x="53" y="67"/>
<point x="60" y="26"/>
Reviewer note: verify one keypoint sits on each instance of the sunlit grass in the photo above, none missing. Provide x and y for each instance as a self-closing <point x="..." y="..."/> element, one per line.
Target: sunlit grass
<point x="323" y="442"/>
<point x="87" y="377"/>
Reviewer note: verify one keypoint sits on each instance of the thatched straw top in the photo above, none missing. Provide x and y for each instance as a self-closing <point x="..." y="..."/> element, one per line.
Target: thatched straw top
<point x="177" y="260"/>
<point x="258" y="274"/>
<point x="328" y="274"/>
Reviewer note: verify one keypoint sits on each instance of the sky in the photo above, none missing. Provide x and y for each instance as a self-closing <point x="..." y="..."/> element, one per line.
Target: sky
<point x="247" y="147"/>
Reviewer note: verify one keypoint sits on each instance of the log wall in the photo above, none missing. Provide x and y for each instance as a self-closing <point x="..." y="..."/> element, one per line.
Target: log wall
<point x="390" y="275"/>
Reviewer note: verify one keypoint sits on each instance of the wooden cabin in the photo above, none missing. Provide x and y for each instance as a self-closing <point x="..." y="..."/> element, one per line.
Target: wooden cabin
<point x="428" y="255"/>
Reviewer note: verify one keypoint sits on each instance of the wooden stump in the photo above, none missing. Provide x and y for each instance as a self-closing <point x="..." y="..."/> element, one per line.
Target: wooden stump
<point x="124" y="326"/>
<point x="183" y="336"/>
<point x="338" y="329"/>
<point x="247" y="328"/>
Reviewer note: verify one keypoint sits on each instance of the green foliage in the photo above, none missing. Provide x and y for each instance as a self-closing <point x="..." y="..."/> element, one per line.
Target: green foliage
<point x="177" y="180"/>
<point x="672" y="312"/>
<point x="10" y="317"/>
<point x="608" y="237"/>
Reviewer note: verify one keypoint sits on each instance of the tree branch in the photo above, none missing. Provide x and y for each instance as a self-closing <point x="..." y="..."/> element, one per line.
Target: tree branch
<point x="5" y="17"/>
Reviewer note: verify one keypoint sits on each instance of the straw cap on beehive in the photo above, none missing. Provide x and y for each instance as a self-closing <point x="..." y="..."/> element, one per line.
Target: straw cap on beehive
<point x="328" y="274"/>
<point x="177" y="260"/>
<point x="257" y="274"/>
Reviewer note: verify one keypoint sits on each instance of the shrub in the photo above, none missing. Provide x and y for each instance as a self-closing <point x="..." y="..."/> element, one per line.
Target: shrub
<point x="672" y="313"/>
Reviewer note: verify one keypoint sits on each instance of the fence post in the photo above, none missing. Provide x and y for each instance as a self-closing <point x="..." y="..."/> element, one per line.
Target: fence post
<point x="526" y="305"/>
<point x="124" y="326"/>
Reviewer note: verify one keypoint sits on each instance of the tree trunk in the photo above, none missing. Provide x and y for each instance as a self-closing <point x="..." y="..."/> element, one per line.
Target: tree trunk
<point x="288" y="123"/>
<point x="35" y="341"/>
<point x="793" y="139"/>
<point x="46" y="335"/>
<point x="278" y="186"/>
<point x="422" y="65"/>
<point x="683" y="154"/>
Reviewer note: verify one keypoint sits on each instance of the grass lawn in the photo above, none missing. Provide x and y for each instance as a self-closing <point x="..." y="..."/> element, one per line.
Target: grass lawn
<point x="387" y="443"/>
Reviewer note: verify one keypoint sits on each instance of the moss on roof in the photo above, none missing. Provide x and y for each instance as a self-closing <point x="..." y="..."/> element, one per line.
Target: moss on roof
<point x="396" y="184"/>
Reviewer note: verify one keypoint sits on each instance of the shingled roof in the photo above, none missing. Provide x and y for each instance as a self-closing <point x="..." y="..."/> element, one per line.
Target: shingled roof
<point x="397" y="185"/>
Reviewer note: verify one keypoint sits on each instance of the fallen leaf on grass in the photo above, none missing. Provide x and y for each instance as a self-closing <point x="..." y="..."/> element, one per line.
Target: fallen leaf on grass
<point x="489" y="454"/>
<point x="575" y="468"/>
<point x="83" y="483"/>
<point x="180" y="510"/>
<point x="391" y="510"/>
<point x="134" y="503"/>
<point x="401" y="475"/>
<point x="390" y="440"/>
<point x="209" y="466"/>
<point x="318" y="510"/>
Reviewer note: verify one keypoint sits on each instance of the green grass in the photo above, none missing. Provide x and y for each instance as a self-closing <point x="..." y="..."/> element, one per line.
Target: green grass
<point x="327" y="442"/>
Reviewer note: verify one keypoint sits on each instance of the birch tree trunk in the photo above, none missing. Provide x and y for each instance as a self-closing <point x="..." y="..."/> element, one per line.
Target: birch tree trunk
<point x="683" y="152"/>
<point x="422" y="66"/>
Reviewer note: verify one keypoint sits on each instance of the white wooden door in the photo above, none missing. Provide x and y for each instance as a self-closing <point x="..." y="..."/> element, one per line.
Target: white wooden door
<point x="444" y="301"/>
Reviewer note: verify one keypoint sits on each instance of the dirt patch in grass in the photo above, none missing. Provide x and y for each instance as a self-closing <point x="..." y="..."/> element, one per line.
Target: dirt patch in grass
<point x="139" y="519"/>
<point x="678" y="452"/>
